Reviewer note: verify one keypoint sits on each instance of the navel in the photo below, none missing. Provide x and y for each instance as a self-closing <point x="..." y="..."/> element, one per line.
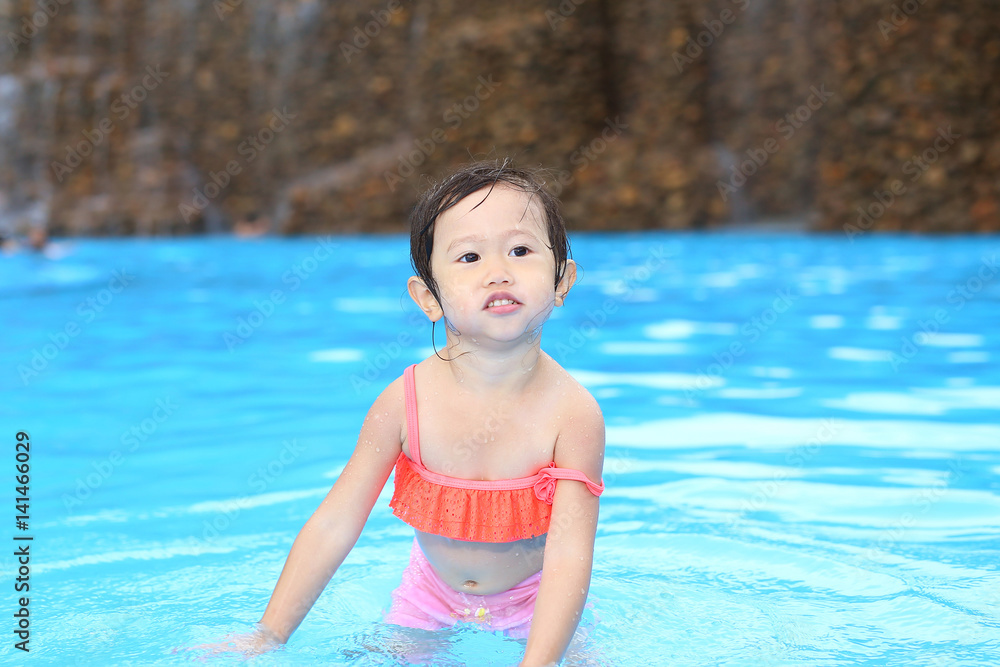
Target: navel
<point x="470" y="583"/>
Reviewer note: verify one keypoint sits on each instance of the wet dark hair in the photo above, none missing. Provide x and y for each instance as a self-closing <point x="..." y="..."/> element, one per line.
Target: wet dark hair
<point x="470" y="179"/>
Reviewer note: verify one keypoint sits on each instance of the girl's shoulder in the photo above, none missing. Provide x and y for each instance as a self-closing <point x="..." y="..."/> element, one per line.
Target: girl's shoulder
<point x="390" y="405"/>
<point x="580" y="442"/>
<point x="575" y="398"/>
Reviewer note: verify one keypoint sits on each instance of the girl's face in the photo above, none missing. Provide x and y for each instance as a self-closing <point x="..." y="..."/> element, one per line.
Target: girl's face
<point x="494" y="269"/>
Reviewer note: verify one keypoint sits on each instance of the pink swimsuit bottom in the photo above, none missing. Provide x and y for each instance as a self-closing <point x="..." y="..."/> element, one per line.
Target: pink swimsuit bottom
<point x="423" y="600"/>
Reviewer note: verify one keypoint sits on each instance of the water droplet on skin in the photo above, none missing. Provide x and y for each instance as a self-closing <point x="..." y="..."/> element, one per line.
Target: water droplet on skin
<point x="378" y="449"/>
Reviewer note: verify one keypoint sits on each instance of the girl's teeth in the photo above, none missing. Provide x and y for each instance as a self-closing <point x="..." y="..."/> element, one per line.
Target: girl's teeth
<point x="501" y="302"/>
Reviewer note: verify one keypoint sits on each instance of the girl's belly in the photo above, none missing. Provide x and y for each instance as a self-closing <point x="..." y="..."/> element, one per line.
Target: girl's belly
<point x="482" y="568"/>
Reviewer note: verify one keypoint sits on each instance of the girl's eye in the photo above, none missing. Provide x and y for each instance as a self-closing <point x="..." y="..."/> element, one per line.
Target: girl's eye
<point x="519" y="251"/>
<point x="468" y="257"/>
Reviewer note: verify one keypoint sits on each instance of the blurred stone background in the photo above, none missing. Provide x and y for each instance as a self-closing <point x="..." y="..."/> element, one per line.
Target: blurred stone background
<point x="184" y="117"/>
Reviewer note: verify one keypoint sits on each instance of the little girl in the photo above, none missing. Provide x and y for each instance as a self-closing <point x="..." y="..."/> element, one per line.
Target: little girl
<point x="504" y="524"/>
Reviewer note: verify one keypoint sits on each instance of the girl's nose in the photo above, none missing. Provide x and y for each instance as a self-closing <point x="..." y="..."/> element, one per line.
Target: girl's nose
<point x="497" y="273"/>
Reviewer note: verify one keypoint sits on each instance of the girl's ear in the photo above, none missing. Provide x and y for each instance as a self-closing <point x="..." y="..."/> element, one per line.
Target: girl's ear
<point x="569" y="277"/>
<point x="424" y="298"/>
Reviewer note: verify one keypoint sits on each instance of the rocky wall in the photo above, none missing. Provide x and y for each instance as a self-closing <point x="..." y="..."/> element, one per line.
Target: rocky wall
<point x="912" y="143"/>
<point x="134" y="117"/>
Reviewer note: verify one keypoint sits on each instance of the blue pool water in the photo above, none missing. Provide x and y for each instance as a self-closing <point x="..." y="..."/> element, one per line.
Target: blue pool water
<point x="796" y="474"/>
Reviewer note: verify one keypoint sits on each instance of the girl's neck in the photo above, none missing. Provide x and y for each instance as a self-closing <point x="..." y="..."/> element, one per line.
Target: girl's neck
<point x="488" y="368"/>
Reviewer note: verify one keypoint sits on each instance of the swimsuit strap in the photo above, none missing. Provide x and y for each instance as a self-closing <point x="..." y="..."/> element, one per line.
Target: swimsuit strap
<point x="412" y="428"/>
<point x="576" y="475"/>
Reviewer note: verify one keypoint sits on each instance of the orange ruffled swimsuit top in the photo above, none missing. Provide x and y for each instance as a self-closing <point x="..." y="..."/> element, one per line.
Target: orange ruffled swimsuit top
<point x="475" y="511"/>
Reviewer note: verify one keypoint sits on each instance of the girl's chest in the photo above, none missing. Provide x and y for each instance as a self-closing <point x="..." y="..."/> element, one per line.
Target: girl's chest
<point x="487" y="441"/>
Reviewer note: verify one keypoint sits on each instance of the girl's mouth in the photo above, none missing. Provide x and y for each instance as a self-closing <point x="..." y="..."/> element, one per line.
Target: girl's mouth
<point x="502" y="306"/>
<point x="500" y="303"/>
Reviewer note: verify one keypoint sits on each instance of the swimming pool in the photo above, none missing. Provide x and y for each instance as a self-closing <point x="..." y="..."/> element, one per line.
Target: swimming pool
<point x="796" y="474"/>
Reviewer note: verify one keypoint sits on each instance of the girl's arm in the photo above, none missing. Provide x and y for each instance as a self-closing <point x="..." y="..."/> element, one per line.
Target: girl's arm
<point x="330" y="534"/>
<point x="569" y="547"/>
